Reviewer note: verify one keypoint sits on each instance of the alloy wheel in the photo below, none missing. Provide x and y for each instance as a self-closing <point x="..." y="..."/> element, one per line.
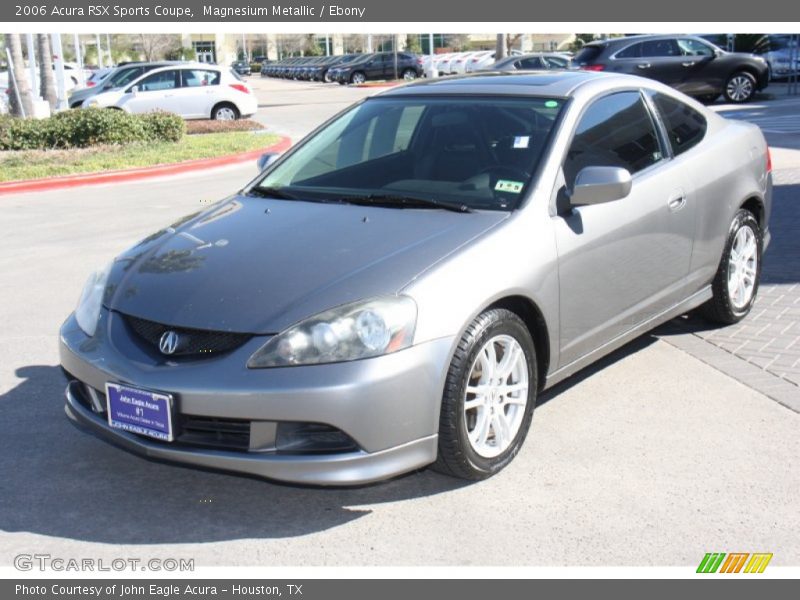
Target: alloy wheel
<point x="742" y="268"/>
<point x="739" y="88"/>
<point x="496" y="396"/>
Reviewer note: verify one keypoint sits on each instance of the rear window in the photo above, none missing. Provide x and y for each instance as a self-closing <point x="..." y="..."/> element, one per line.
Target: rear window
<point x="588" y="54"/>
<point x="686" y="127"/>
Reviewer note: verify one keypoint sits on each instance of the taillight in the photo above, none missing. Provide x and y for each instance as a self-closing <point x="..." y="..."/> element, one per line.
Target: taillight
<point x="90" y="84"/>
<point x="241" y="87"/>
<point x="593" y="67"/>
<point x="769" y="161"/>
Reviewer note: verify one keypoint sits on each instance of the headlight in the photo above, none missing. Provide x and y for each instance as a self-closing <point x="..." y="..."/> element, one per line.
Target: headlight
<point x="88" y="311"/>
<point x="359" y="330"/>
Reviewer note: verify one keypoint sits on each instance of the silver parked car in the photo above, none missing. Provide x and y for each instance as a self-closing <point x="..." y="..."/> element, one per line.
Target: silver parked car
<point x="396" y="290"/>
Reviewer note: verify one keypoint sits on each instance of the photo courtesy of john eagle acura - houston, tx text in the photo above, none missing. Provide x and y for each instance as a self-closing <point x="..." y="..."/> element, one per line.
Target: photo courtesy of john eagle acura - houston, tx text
<point x="396" y="290"/>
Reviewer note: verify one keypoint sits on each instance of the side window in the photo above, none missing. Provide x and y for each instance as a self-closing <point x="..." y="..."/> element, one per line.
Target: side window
<point x="685" y="126"/>
<point x="690" y="47"/>
<point x="553" y="62"/>
<point x="660" y="49"/>
<point x="530" y="63"/>
<point x="200" y="77"/>
<point x="615" y="131"/>
<point x="164" y="80"/>
<point x="632" y="51"/>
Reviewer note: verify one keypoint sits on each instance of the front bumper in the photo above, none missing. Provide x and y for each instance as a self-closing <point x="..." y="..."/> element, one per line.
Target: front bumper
<point x="389" y="405"/>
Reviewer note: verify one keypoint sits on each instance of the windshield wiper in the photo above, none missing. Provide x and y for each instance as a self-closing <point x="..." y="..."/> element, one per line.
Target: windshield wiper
<point x="271" y="192"/>
<point x="404" y="201"/>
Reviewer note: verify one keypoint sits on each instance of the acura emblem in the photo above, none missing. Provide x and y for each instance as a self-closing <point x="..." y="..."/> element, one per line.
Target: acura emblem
<point x="168" y="343"/>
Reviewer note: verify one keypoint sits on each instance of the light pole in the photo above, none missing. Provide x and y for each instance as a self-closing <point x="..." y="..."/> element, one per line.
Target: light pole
<point x="32" y="66"/>
<point x="58" y="56"/>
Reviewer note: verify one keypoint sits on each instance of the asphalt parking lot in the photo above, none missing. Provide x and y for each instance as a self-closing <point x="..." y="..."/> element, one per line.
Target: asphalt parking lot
<point x="675" y="446"/>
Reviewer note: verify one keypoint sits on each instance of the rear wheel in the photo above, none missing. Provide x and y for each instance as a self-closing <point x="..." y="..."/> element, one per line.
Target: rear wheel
<point x="225" y="112"/>
<point x="736" y="283"/>
<point x="740" y="87"/>
<point x="488" y="398"/>
<point x="409" y="74"/>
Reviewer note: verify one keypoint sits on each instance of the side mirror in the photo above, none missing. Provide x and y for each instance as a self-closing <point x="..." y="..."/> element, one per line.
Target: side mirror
<point x="135" y="90"/>
<point x="598" y="185"/>
<point x="266" y="160"/>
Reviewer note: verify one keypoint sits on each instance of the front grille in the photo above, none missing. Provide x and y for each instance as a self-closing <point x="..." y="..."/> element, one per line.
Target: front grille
<point x="192" y="342"/>
<point x="213" y="432"/>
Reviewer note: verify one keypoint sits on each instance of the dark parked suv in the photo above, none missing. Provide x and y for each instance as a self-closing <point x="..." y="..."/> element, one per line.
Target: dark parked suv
<point x="688" y="63"/>
<point x="379" y="65"/>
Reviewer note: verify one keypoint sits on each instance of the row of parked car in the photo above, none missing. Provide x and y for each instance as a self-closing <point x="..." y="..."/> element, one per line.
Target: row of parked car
<point x="347" y="68"/>
<point x="691" y="64"/>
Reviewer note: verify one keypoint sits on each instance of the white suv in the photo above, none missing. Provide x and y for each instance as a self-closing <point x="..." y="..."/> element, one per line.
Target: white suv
<point x="193" y="91"/>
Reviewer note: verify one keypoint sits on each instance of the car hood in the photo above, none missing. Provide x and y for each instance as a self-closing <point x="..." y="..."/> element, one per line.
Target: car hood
<point x="255" y="265"/>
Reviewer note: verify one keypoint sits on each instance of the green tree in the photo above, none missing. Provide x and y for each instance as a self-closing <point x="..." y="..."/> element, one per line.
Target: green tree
<point x="412" y="43"/>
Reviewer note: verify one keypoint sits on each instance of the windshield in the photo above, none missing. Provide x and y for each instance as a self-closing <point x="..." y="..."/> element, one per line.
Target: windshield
<point x="123" y="77"/>
<point x="476" y="152"/>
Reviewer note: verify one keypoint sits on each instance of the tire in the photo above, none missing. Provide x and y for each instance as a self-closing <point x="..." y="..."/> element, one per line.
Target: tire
<point x="727" y="306"/>
<point x="225" y="111"/>
<point x="409" y="75"/>
<point x="740" y="87"/>
<point x="326" y="78"/>
<point x="358" y="78"/>
<point x="459" y="455"/>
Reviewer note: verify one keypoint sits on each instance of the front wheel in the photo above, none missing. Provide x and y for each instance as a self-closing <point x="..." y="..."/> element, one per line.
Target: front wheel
<point x="736" y="283"/>
<point x="740" y="87"/>
<point x="488" y="398"/>
<point x="358" y="78"/>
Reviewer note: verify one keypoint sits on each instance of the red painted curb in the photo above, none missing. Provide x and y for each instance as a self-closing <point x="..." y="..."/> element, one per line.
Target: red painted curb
<point x="68" y="181"/>
<point x="379" y="85"/>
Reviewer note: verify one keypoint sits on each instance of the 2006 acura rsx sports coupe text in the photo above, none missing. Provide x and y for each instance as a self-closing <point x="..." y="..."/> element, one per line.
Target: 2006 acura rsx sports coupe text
<point x="397" y="289"/>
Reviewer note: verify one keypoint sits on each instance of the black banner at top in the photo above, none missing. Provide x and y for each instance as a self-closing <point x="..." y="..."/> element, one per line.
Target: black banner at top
<point x="456" y="11"/>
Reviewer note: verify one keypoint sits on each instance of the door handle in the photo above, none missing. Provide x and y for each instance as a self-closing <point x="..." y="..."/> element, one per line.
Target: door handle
<point x="689" y="64"/>
<point x="677" y="202"/>
<point x="643" y="65"/>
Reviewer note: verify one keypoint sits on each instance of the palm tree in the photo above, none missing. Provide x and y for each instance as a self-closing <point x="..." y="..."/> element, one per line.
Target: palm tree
<point x="46" y="77"/>
<point x="22" y="87"/>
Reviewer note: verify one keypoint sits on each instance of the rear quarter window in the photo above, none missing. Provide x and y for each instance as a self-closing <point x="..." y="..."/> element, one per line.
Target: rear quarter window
<point x="686" y="127"/>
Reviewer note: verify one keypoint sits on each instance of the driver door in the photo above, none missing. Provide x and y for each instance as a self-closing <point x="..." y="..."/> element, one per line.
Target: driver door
<point x="623" y="261"/>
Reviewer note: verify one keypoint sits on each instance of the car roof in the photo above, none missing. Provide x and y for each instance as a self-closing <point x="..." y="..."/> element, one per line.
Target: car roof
<point x="644" y="37"/>
<point x="557" y="84"/>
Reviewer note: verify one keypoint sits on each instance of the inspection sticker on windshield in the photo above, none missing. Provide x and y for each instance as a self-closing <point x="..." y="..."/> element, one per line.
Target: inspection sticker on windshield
<point x="521" y="141"/>
<point x="506" y="185"/>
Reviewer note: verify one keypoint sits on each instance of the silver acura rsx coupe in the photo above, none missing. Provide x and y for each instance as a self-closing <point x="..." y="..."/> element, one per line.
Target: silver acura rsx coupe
<point x="397" y="289"/>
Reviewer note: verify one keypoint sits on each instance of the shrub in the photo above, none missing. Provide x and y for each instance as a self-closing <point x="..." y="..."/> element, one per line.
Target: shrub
<point x="80" y="128"/>
<point x="213" y="126"/>
<point x="163" y="126"/>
